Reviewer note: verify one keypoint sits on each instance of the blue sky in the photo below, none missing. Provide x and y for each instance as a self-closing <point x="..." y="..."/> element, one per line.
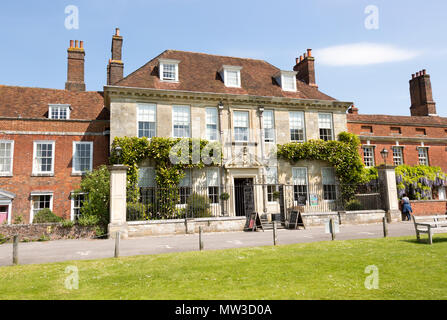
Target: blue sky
<point x="369" y="67"/>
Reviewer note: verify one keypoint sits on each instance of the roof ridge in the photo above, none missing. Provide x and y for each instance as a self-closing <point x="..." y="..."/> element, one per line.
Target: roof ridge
<point x="217" y="55"/>
<point x="40" y="88"/>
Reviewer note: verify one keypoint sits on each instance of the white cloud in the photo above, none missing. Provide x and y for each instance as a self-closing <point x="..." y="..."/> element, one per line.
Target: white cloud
<point x="364" y="53"/>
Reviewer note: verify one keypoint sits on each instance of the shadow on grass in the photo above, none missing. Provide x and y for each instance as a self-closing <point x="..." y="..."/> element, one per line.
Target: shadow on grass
<point x="424" y="240"/>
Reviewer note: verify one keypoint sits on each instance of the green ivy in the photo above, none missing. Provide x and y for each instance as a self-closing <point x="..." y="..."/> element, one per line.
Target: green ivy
<point x="342" y="154"/>
<point x="418" y="181"/>
<point x="158" y="149"/>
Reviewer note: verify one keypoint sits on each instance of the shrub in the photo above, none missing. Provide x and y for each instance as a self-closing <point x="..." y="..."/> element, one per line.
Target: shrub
<point x="224" y="196"/>
<point x="95" y="210"/>
<point x="137" y="212"/>
<point x="3" y="239"/>
<point x="87" y="221"/>
<point x="43" y="238"/>
<point x="46" y="216"/>
<point x="67" y="224"/>
<point x="353" y="205"/>
<point x="18" y="220"/>
<point x="198" y="206"/>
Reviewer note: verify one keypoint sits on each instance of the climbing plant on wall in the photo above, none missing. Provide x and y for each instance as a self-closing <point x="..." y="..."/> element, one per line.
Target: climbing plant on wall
<point x="418" y="181"/>
<point x="342" y="154"/>
<point x="170" y="158"/>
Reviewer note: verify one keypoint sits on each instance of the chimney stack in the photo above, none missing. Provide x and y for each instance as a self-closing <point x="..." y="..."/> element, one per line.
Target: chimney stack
<point x="75" y="69"/>
<point x="353" y="110"/>
<point x="422" y="103"/>
<point x="115" y="69"/>
<point x="306" y="68"/>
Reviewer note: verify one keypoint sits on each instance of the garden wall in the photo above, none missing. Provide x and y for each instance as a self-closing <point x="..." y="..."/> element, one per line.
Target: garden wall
<point x="48" y="231"/>
<point x="429" y="207"/>
<point x="169" y="227"/>
<point x="348" y="217"/>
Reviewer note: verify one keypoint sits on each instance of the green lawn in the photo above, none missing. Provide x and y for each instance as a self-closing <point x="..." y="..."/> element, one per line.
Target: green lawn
<point x="324" y="270"/>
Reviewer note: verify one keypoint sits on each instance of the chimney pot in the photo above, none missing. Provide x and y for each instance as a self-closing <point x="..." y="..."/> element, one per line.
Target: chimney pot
<point x="82" y="44"/>
<point x="77" y="44"/>
<point x="71" y="43"/>
<point x="117" y="31"/>
<point x="424" y="72"/>
<point x="309" y="52"/>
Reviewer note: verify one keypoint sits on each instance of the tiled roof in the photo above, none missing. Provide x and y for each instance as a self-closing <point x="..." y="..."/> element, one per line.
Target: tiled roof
<point x="403" y="120"/>
<point x="199" y="72"/>
<point x="27" y="102"/>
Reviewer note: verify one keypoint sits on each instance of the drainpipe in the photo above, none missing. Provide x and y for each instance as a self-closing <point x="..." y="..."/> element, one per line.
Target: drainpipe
<point x="222" y="169"/>
<point x="263" y="170"/>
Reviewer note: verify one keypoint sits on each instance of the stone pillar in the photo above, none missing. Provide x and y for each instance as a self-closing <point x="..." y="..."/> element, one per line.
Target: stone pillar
<point x="118" y="201"/>
<point x="387" y="179"/>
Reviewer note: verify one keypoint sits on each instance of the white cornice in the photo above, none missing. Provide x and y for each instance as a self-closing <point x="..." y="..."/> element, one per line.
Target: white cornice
<point x="116" y="92"/>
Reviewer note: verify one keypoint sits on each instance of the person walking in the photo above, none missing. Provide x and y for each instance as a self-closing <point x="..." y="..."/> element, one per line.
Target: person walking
<point x="406" y="207"/>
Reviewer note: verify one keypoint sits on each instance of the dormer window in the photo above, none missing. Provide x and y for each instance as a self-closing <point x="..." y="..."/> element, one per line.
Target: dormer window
<point x="169" y="70"/>
<point x="231" y="76"/>
<point x="59" y="111"/>
<point x="287" y="80"/>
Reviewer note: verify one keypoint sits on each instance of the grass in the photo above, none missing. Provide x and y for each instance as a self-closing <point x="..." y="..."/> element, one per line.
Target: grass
<point x="323" y="270"/>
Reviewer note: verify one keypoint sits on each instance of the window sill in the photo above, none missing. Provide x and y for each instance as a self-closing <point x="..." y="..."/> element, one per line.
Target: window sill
<point x="244" y="143"/>
<point x="42" y="175"/>
<point x="6" y="175"/>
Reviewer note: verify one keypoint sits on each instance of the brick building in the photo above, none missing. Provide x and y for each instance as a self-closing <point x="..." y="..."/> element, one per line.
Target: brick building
<point x="420" y="138"/>
<point x="48" y="139"/>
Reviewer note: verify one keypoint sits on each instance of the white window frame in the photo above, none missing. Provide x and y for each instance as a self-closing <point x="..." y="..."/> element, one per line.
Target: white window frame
<point x="72" y="207"/>
<point x="303" y="124"/>
<point x="36" y="170"/>
<point x="401" y="156"/>
<point x="237" y="70"/>
<point x="216" y="114"/>
<point x="281" y="79"/>
<point x="162" y="63"/>
<point x="307" y="183"/>
<point x="146" y="105"/>
<point x="268" y="175"/>
<point x="320" y="121"/>
<point x="11" y="167"/>
<point x="141" y="175"/>
<point x="427" y="160"/>
<point x="208" y="185"/>
<point x="189" y="120"/>
<point x="335" y="182"/>
<point x="38" y="194"/>
<point x="67" y="107"/>
<point x="272" y="128"/>
<point x="248" y="125"/>
<point x="373" y="160"/>
<point x="75" y="143"/>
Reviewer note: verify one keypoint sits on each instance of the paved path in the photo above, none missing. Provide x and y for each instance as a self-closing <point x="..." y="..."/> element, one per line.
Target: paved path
<point x="67" y="250"/>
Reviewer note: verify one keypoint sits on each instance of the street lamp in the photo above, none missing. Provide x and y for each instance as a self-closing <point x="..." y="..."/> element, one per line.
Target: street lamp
<point x="384" y="154"/>
<point x="118" y="151"/>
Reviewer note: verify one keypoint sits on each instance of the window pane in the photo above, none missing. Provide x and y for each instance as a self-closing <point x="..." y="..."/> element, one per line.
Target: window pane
<point x="296" y="126"/>
<point x="213" y="177"/>
<point x="232" y="79"/>
<point x="325" y="125"/>
<point x="181" y="120"/>
<point x="241" y="126"/>
<point x="5" y="157"/>
<point x="271" y="175"/>
<point x="146" y="177"/>
<point x="211" y="124"/>
<point x="169" y="71"/>
<point x="288" y="83"/>
<point x="44" y="157"/>
<point x="368" y="156"/>
<point x="398" y="156"/>
<point x="82" y="157"/>
<point x="269" y="126"/>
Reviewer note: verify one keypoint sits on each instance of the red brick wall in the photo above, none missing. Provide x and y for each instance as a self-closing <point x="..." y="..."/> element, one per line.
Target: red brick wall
<point x="437" y="152"/>
<point x="429" y="207"/>
<point x="63" y="182"/>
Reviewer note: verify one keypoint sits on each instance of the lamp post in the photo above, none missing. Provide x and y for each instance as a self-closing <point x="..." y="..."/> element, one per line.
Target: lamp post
<point x="118" y="151"/>
<point x="384" y="153"/>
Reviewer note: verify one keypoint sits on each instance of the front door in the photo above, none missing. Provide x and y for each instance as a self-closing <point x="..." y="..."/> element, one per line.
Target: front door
<point x="244" y="196"/>
<point x="3" y="214"/>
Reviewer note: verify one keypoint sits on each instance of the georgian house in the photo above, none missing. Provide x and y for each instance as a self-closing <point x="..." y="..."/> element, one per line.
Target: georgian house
<point x="248" y="105"/>
<point x="48" y="139"/>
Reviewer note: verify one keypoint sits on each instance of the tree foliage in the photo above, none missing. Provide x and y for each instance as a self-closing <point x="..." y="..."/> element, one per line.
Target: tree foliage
<point x="418" y="181"/>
